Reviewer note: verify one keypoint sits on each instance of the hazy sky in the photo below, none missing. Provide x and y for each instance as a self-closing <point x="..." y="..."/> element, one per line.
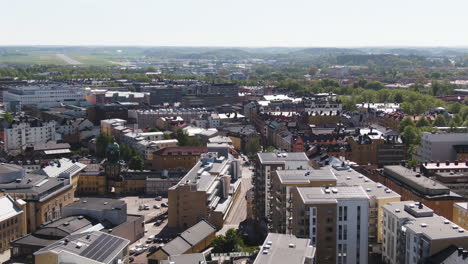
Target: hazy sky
<point x="234" y="22"/>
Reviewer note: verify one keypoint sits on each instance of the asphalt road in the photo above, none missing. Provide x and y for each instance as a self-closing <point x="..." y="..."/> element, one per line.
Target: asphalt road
<point x="238" y="212"/>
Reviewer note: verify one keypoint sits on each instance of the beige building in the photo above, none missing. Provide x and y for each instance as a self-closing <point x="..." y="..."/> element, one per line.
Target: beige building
<point x="12" y="221"/>
<point x="282" y="181"/>
<point x="205" y="192"/>
<point x="460" y="214"/>
<point x="281" y="248"/>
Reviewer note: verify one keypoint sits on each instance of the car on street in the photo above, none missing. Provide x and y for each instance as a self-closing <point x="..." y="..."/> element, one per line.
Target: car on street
<point x="158" y="198"/>
<point x="156" y="206"/>
<point x="164" y="205"/>
<point x="158" y="222"/>
<point x="150" y="239"/>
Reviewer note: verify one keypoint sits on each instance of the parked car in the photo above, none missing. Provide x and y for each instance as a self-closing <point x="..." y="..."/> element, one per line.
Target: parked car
<point x="150" y="239"/>
<point x="131" y="259"/>
<point x="164" y="205"/>
<point x="158" y="222"/>
<point x="132" y="250"/>
<point x="146" y="207"/>
<point x="158" y="198"/>
<point x="141" y="207"/>
<point x="156" y="206"/>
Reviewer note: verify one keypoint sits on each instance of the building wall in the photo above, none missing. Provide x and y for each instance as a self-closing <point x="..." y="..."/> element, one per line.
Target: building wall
<point x="460" y="216"/>
<point x="186" y="207"/>
<point x="131" y="230"/>
<point x="171" y="162"/>
<point x="92" y="184"/>
<point x="439" y="146"/>
<point x="12" y="228"/>
<point x="46" y="258"/>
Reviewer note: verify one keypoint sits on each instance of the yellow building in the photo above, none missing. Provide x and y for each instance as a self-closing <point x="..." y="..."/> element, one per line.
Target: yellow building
<point x="12" y="221"/>
<point x="460" y="214"/>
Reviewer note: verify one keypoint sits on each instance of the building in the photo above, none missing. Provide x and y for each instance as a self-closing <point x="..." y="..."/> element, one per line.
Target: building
<point x="460" y="214"/>
<point x="148" y="118"/>
<point x="108" y="125"/>
<point x="169" y="94"/>
<point x="192" y="258"/>
<point x="64" y="168"/>
<point x="282" y="182"/>
<point x="413" y="233"/>
<point x="265" y="164"/>
<point x="27" y="131"/>
<point x="177" y="157"/>
<point x="454" y="175"/>
<point x="441" y="146"/>
<point x="90" y="247"/>
<point x="42" y="96"/>
<point x="280" y="248"/>
<point x="205" y="192"/>
<point x="12" y="221"/>
<point x="411" y="185"/>
<point x="45" y="196"/>
<point x="336" y="221"/>
<point x="99" y="112"/>
<point x="193" y="240"/>
<point x="452" y="254"/>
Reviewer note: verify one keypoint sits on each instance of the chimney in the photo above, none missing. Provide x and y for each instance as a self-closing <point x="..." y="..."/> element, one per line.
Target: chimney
<point x="447" y="162"/>
<point x="425" y="163"/>
<point x="414" y="169"/>
<point x="438" y="164"/>
<point x="456" y="162"/>
<point x="420" y="205"/>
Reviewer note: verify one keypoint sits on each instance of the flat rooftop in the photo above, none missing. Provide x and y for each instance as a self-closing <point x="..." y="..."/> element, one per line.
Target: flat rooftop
<point x="305" y="176"/>
<point x="278" y="158"/>
<point x="280" y="248"/>
<point x="97" y="203"/>
<point x="312" y="195"/>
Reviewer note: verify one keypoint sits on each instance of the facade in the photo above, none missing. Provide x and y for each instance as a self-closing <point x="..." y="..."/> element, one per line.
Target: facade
<point x="454" y="175"/>
<point x="282" y="182"/>
<point x="148" y="118"/>
<point x="27" y="131"/>
<point x="89" y="247"/>
<point x="177" y="157"/>
<point x="205" y="192"/>
<point x="265" y="164"/>
<point x="42" y="96"/>
<point x="413" y="233"/>
<point x="45" y="196"/>
<point x="336" y="221"/>
<point x="460" y="214"/>
<point x="441" y="146"/>
<point x="280" y="248"/>
<point x="161" y="95"/>
<point x="12" y="221"/>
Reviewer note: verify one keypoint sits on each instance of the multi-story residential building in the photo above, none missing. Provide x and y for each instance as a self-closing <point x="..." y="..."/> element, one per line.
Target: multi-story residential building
<point x="177" y="157"/>
<point x="441" y="146"/>
<point x="460" y="214"/>
<point x="148" y="118"/>
<point x="12" y="220"/>
<point x="99" y="112"/>
<point x="108" y="125"/>
<point x="42" y="96"/>
<point x="205" y="192"/>
<point x="168" y="94"/>
<point x="335" y="219"/>
<point x="282" y="181"/>
<point x="280" y="248"/>
<point x="26" y="131"/>
<point x="87" y="247"/>
<point x="413" y="233"/>
<point x="454" y="175"/>
<point x="379" y="195"/>
<point x="374" y="147"/>
<point x="265" y="164"/>
<point x="45" y="196"/>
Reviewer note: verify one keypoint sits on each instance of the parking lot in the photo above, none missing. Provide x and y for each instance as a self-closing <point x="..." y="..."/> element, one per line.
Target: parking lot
<point x="133" y="204"/>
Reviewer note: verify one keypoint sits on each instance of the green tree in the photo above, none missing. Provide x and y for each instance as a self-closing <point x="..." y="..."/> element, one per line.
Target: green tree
<point x="457" y="119"/>
<point x="270" y="149"/>
<point x="453" y="126"/>
<point x="252" y="146"/>
<point x="102" y="141"/>
<point x="8" y="117"/>
<point x="374" y="85"/>
<point x="423" y="122"/>
<point x="153" y="130"/>
<point x="167" y="136"/>
<point x="440" y="121"/>
<point x="136" y="163"/>
<point x="411" y="136"/>
<point x="407" y="121"/>
<point x="455" y="108"/>
<point x="231" y="242"/>
<point x="419" y="107"/>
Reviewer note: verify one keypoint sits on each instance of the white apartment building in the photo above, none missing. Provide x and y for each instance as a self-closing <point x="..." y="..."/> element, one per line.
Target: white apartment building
<point x="413" y="233"/>
<point x="439" y="146"/>
<point x="29" y="132"/>
<point x="42" y="96"/>
<point x="336" y="220"/>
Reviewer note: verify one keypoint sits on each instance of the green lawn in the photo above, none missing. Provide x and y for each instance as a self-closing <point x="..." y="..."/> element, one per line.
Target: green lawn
<point x="32" y="59"/>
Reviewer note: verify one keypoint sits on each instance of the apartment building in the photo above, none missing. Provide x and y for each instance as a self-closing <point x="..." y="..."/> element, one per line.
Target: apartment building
<point x="108" y="125"/>
<point x="265" y="164"/>
<point x="282" y="181"/>
<point x="177" y="157"/>
<point x="29" y="131"/>
<point x="281" y="248"/>
<point x="12" y="220"/>
<point x="148" y="118"/>
<point x="441" y="146"/>
<point x="336" y="221"/>
<point x="454" y="175"/>
<point x="460" y="214"/>
<point x="411" y="185"/>
<point x="205" y="192"/>
<point x="413" y="233"/>
<point x="379" y="195"/>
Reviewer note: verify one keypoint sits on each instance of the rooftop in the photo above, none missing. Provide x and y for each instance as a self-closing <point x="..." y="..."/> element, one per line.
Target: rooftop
<point x="8" y="208"/>
<point x="305" y="176"/>
<point x="63" y="168"/>
<point x="97" y="203"/>
<point x="96" y="246"/>
<point x="193" y="258"/>
<point x="312" y="195"/>
<point x="189" y="238"/>
<point x="185" y="151"/>
<point x="280" y="248"/>
<point x="275" y="158"/>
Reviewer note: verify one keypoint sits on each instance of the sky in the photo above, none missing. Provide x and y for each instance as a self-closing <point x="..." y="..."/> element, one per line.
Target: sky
<point x="235" y="23"/>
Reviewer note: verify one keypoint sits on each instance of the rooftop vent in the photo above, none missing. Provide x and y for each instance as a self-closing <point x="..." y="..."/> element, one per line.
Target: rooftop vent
<point x="79" y="245"/>
<point x="379" y="185"/>
<point x="84" y="201"/>
<point x="454" y="227"/>
<point x="348" y="178"/>
<point x="106" y="203"/>
<point x="66" y="224"/>
<point x="446" y="222"/>
<point x="334" y="190"/>
<point x="368" y="189"/>
<point x="423" y="225"/>
<point x="266" y="247"/>
<point x="88" y="236"/>
<point x="80" y="217"/>
<point x="397" y="210"/>
<point x="269" y="242"/>
<point x="388" y="191"/>
<point x="327" y="190"/>
<point x="264" y="252"/>
<point x="292" y="246"/>
<point x="461" y="230"/>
